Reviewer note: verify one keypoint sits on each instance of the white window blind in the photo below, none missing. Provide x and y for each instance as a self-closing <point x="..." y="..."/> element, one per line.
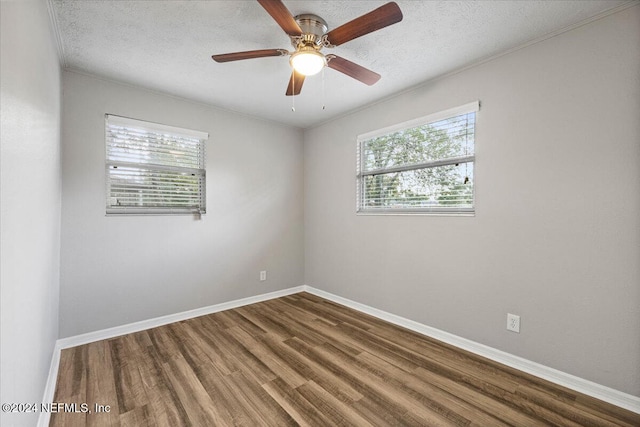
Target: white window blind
<point x="153" y="168"/>
<point x="421" y="166"/>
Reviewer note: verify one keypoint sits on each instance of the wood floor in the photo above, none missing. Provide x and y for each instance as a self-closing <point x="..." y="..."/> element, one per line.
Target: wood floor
<point x="303" y="360"/>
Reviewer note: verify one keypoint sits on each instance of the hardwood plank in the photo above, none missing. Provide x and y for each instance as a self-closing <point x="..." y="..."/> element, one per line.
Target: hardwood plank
<point x="299" y="408"/>
<point x="72" y="374"/>
<point x="214" y="344"/>
<point x="500" y="410"/>
<point x="138" y="417"/>
<point x="275" y="362"/>
<point x="411" y="357"/>
<point x="256" y="314"/>
<point x="239" y="401"/>
<point x="377" y="415"/>
<point x="387" y="350"/>
<point x="251" y="365"/>
<point x="340" y="314"/>
<point x="211" y="379"/>
<point x="256" y="403"/>
<point x="458" y="358"/>
<point x="220" y="321"/>
<point x="137" y="346"/>
<point x="101" y="387"/>
<point x="337" y="411"/>
<point x="329" y="333"/>
<point x="420" y="407"/>
<point x="128" y="384"/>
<point x="324" y="377"/>
<point x="71" y="387"/>
<point x="303" y="360"/>
<point x="200" y="409"/>
<point x="164" y="401"/>
<point x="388" y="399"/>
<point x="62" y="417"/>
<point x="611" y="413"/>
<point x="298" y="299"/>
<point x="233" y="318"/>
<point x="441" y="401"/>
<point x="558" y="411"/>
<point x="291" y="323"/>
<point x="162" y="343"/>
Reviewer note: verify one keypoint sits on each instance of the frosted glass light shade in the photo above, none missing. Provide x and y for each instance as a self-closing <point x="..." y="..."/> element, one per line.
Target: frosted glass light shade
<point x="308" y="62"/>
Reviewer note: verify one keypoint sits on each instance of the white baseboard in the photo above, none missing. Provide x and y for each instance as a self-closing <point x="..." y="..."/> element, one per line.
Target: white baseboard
<point x="607" y="394"/>
<point x="171" y="318"/>
<point x="589" y="388"/>
<point x="50" y="386"/>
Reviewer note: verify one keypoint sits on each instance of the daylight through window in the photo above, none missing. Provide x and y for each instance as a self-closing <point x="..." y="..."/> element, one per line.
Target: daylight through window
<point x="154" y="169"/>
<point x="421" y="166"/>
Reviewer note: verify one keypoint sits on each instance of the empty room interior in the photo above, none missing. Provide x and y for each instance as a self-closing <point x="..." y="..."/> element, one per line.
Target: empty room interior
<point x="439" y="224"/>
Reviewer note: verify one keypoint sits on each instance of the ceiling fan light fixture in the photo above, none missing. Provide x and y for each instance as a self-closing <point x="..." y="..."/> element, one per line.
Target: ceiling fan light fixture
<point x="308" y="35"/>
<point x="308" y="61"/>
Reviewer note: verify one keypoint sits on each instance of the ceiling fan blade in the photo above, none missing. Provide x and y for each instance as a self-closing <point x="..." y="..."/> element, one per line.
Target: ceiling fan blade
<point x="282" y="16"/>
<point x="295" y="83"/>
<point x="236" y="56"/>
<point x="381" y="17"/>
<point x="352" y="69"/>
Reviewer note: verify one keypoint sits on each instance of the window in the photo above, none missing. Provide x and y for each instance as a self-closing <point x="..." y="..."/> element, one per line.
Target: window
<point x="153" y="169"/>
<point x="421" y="166"/>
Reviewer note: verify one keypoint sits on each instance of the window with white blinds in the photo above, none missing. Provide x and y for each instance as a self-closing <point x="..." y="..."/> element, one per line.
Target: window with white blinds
<point x="425" y="165"/>
<point x="153" y="168"/>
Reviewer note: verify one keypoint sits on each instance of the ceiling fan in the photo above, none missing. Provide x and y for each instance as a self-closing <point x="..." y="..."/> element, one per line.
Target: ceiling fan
<point x="308" y="34"/>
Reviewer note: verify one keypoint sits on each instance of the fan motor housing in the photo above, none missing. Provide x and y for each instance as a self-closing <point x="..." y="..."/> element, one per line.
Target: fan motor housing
<point x="313" y="28"/>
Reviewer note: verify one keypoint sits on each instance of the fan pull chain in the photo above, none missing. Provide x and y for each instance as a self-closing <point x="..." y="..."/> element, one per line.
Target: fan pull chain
<point x="323" y="102"/>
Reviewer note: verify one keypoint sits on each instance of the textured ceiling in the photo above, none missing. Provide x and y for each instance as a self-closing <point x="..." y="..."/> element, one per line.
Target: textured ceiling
<point x="167" y="46"/>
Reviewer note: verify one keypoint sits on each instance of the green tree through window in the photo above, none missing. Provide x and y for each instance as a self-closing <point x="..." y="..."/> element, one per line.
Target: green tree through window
<point x="428" y="167"/>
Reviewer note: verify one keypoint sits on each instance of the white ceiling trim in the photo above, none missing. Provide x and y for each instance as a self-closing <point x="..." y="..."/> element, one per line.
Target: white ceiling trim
<point x="57" y="35"/>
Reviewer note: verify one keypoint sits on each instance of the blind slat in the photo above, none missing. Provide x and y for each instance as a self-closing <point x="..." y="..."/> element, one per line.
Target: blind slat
<point x="425" y="168"/>
<point x="153" y="168"/>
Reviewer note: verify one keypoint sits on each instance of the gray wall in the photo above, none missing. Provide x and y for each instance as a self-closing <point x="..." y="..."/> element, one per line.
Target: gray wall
<point x="30" y="203"/>
<point x="556" y="236"/>
<point x="118" y="270"/>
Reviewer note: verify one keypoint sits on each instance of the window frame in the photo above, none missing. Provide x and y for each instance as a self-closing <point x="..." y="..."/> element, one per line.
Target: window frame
<point x="472" y="107"/>
<point x="173" y="133"/>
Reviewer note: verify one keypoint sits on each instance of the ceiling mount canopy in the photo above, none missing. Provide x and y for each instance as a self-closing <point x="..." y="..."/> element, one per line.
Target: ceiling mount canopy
<point x="311" y="25"/>
<point x="308" y="34"/>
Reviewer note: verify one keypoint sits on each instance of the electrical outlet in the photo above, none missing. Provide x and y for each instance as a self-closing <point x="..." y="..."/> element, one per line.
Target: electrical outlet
<point x="513" y="323"/>
<point x="263" y="275"/>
